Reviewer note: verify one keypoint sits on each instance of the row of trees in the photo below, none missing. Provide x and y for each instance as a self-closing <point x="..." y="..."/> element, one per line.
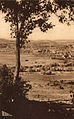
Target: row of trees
<point x="25" y="15"/>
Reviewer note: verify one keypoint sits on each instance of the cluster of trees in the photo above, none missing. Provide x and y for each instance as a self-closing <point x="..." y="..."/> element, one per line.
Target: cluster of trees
<point x="25" y="15"/>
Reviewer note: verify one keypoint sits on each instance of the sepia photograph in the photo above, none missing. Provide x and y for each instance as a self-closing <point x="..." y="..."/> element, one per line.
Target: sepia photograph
<point x="36" y="59"/>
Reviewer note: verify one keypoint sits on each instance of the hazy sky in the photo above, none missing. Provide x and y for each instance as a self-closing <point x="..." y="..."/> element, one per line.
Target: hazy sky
<point x="60" y="31"/>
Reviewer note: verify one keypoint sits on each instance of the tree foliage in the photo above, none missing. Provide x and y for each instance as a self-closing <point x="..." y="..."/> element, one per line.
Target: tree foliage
<point x="66" y="11"/>
<point x="29" y="14"/>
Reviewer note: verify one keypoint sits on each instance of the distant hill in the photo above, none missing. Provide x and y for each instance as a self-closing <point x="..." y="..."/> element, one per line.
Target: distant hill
<point x="7" y="45"/>
<point x="34" y="47"/>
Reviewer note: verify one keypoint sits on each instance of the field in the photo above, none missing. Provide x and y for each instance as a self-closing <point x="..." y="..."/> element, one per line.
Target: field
<point x="47" y="65"/>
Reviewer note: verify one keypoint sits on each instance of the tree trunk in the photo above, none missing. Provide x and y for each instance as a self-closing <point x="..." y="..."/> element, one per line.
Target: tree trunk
<point x="16" y="75"/>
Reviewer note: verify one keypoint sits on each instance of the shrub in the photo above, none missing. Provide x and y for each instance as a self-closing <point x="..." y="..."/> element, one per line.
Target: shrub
<point x="10" y="91"/>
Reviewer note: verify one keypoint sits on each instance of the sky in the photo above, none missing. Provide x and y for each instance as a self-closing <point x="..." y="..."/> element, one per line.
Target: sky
<point x="59" y="32"/>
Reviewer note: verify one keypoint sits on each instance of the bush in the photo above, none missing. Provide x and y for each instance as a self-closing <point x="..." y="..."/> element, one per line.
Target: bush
<point x="10" y="91"/>
<point x="6" y="75"/>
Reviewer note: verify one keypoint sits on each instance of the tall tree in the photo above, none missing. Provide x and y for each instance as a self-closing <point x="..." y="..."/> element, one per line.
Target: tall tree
<point x="25" y="15"/>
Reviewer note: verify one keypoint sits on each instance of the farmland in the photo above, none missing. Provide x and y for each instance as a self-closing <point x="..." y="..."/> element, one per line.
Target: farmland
<point x="47" y="65"/>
